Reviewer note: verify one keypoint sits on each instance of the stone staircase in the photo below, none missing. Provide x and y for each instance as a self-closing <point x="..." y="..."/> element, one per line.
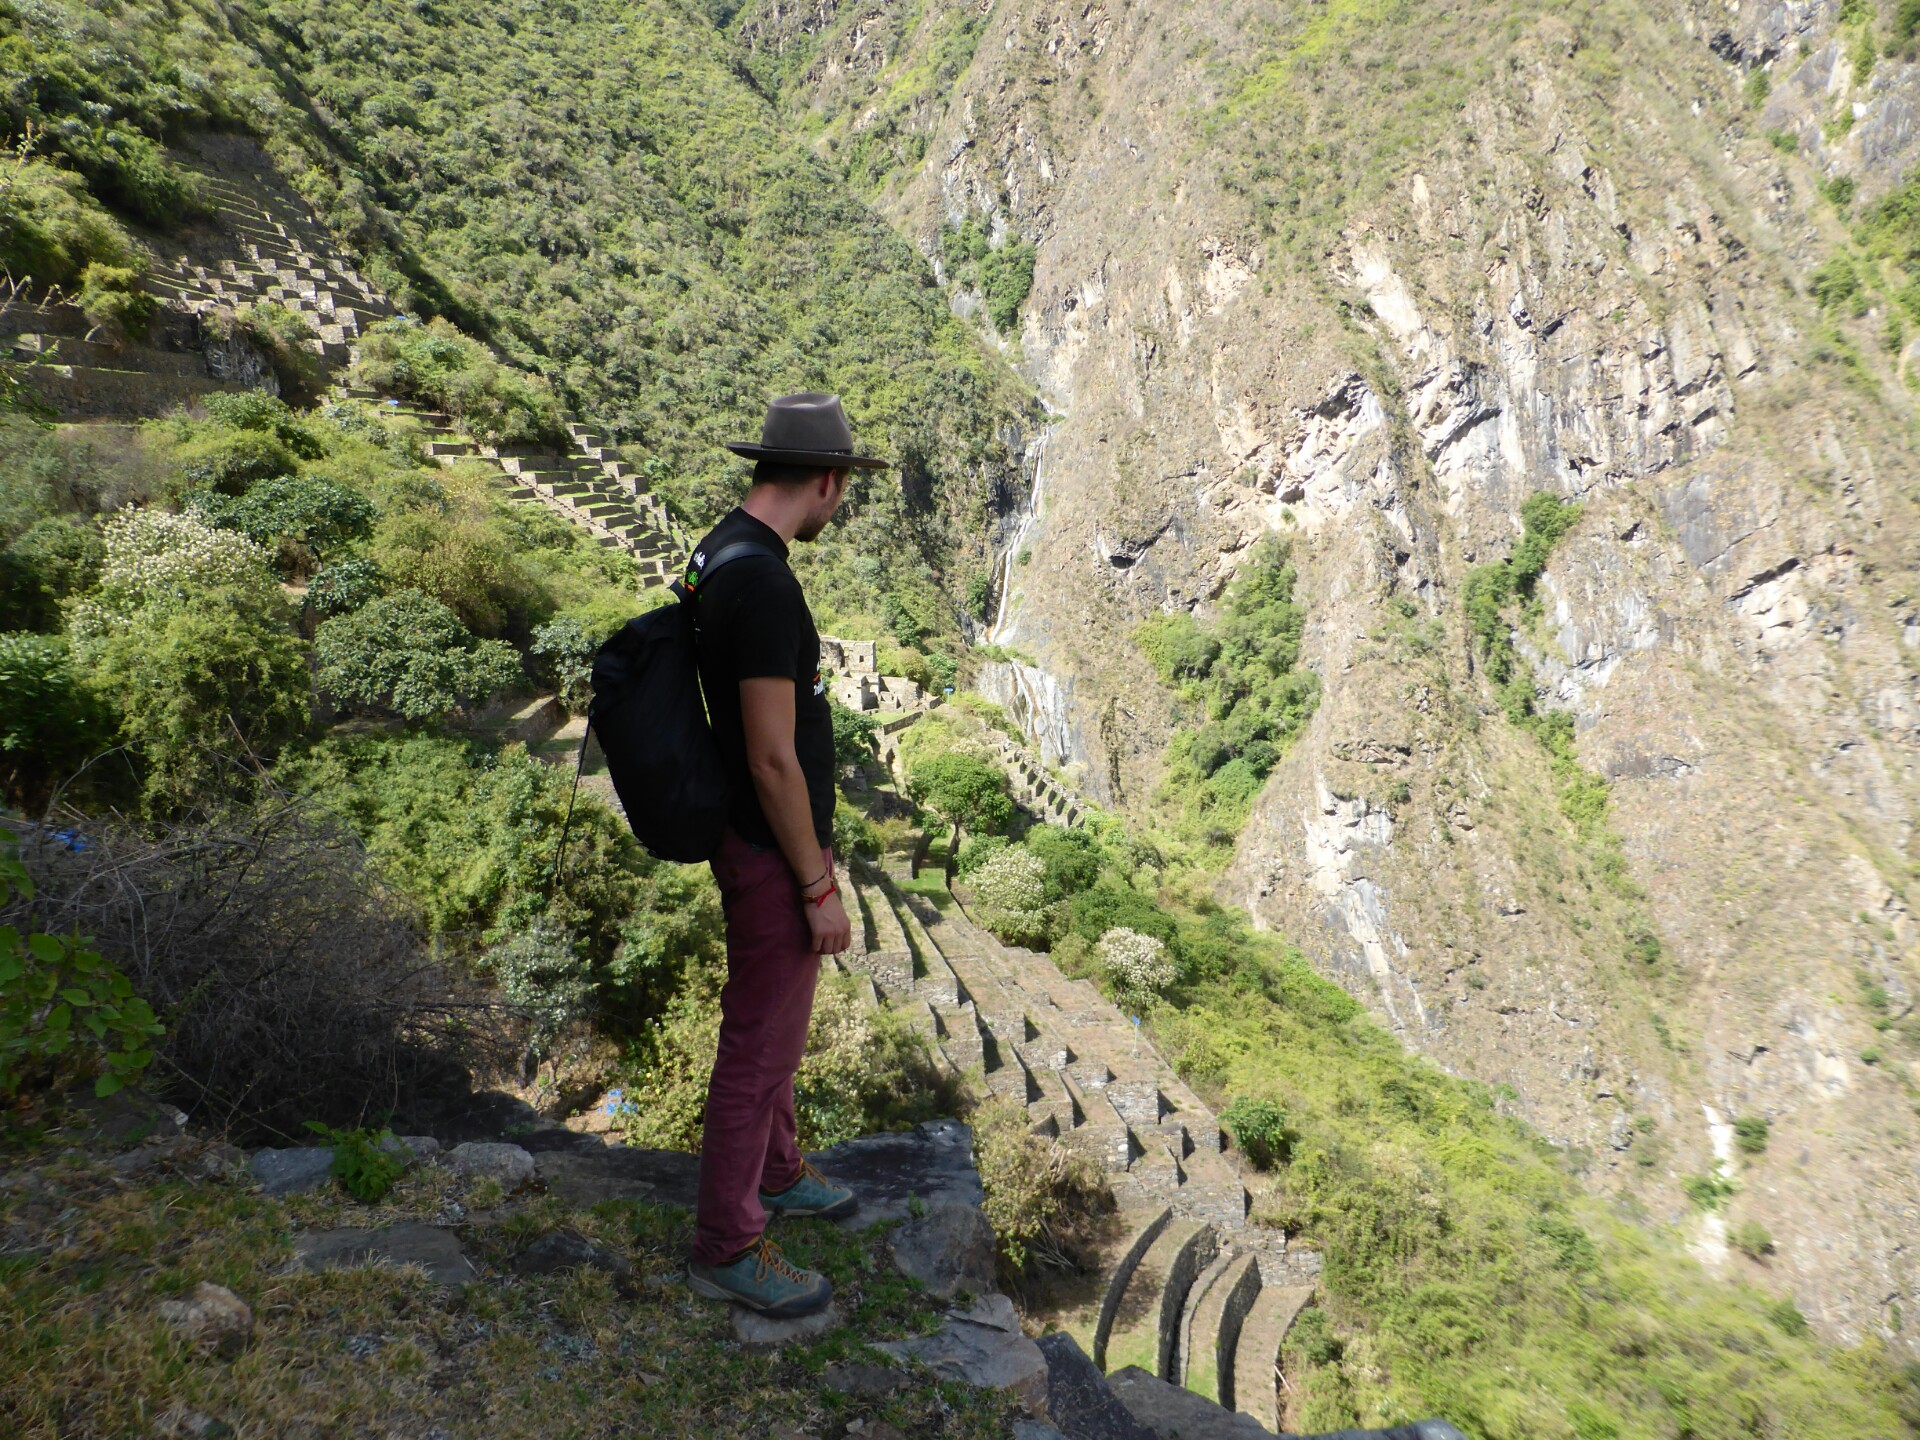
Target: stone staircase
<point x="1035" y="787"/>
<point x="1193" y="1294"/>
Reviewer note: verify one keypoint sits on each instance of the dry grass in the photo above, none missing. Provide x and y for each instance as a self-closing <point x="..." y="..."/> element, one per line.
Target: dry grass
<point x="84" y="1260"/>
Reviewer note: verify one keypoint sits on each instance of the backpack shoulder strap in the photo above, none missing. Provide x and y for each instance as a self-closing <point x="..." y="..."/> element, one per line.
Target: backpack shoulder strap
<point x="701" y="567"/>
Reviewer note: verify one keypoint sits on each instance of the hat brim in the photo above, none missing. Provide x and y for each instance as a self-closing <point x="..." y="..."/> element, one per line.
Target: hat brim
<point x="826" y="459"/>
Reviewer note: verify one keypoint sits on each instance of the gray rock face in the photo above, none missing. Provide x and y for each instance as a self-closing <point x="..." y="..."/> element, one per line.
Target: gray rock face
<point x="762" y="1332"/>
<point x="614" y="1172"/>
<point x="1169" y="1410"/>
<point x="933" y="1161"/>
<point x="949" y="1249"/>
<point x="484" y="1160"/>
<point x="1079" y="1400"/>
<point x="210" y="1318"/>
<point x="292" y="1171"/>
<point x="560" y="1250"/>
<point x="434" y="1250"/>
<point x="983" y="1348"/>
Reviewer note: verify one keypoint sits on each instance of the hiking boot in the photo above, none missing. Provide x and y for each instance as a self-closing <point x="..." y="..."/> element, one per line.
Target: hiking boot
<point x="762" y="1279"/>
<point x="812" y="1194"/>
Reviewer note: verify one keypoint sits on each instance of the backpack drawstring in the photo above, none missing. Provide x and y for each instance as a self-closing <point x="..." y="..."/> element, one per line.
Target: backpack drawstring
<point x="560" y="851"/>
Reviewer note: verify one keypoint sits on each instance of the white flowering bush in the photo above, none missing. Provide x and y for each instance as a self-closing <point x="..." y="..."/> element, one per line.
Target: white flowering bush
<point x="1010" y="894"/>
<point x="1138" y="965"/>
<point x="156" y="558"/>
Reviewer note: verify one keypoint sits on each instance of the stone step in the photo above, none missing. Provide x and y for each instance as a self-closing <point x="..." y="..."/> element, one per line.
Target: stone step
<point x="1145" y="1328"/>
<point x="1221" y="1297"/>
<point x="1092" y="1325"/>
<point x="96" y="354"/>
<point x="82" y="391"/>
<point x="21" y="318"/>
<point x="1256" y="1351"/>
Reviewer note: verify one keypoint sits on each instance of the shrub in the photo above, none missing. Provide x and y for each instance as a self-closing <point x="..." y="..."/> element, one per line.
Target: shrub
<point x="1177" y="648"/>
<point x="301" y="518"/>
<point x="288" y="341"/>
<point x="51" y="229"/>
<point x="54" y="557"/>
<point x="565" y="648"/>
<point x="1787" y="1318"/>
<point x="365" y="1162"/>
<point x="1044" y="1201"/>
<point x="542" y="975"/>
<point x="436" y="363"/>
<point x="110" y="296"/>
<point x="1010" y="893"/>
<point x="1260" y="1129"/>
<point x="343" y="585"/>
<point x="410" y="655"/>
<point x="1752" y="1239"/>
<point x="1836" y="285"/>
<point x="50" y="720"/>
<point x="1750" y="1133"/>
<point x="65" y="1013"/>
<point x="292" y="990"/>
<point x="229" y="460"/>
<point x="1709" y="1192"/>
<point x="975" y="851"/>
<point x="153" y="559"/>
<point x="1136" y="964"/>
<point x="1112" y="902"/>
<point x="1072" y="861"/>
<point x="964" y="789"/>
<point x="853" y="734"/>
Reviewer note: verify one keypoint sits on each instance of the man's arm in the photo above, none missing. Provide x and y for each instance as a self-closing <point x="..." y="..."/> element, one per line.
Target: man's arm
<point x="766" y="710"/>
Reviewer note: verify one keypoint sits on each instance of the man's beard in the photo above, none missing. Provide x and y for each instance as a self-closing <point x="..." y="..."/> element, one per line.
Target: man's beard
<point x="811" y="530"/>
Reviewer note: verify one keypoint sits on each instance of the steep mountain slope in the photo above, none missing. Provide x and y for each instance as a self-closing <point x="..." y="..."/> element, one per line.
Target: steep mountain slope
<point x="1370" y="275"/>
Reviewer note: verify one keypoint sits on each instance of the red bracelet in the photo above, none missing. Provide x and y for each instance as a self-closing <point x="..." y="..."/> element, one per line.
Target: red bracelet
<point x="817" y="901"/>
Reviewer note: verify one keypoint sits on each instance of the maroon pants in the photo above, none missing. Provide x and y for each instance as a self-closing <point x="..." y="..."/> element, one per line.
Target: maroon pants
<point x="750" y="1142"/>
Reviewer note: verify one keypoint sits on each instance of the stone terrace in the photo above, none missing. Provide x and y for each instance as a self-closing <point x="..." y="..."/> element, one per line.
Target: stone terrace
<point x="1193" y="1294"/>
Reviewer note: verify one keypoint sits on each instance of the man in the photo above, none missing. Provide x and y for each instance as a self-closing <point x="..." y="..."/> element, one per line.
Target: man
<point x="760" y="670"/>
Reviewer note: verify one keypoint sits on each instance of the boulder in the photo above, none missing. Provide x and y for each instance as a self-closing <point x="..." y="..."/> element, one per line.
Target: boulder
<point x="210" y="1318"/>
<point x="1079" y="1400"/>
<point x="562" y="1250"/>
<point x="762" y="1332"/>
<point x="983" y="1348"/>
<point x="950" y="1249"/>
<point x="490" y="1160"/>
<point x="614" y="1172"/>
<point x="1169" y="1410"/>
<point x="930" y="1165"/>
<point x="293" y="1171"/>
<point x="434" y="1250"/>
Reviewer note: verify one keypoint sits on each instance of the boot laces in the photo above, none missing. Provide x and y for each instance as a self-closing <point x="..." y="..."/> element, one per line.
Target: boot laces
<point x="768" y="1258"/>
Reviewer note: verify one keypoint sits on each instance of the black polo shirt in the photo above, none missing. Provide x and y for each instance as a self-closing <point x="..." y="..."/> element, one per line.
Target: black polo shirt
<point x="754" y="624"/>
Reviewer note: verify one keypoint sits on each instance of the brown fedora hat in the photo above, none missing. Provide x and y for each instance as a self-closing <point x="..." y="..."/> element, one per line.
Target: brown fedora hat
<point x="807" y="429"/>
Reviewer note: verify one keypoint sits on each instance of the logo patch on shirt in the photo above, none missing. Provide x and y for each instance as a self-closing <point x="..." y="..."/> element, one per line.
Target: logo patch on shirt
<point x="819" y="683"/>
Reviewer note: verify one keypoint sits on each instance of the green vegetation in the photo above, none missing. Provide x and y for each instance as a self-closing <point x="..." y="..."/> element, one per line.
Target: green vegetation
<point x="65" y="1013"/>
<point x="408" y="654"/>
<point x="1750" y="1132"/>
<point x="1242" y="675"/>
<point x="1003" y="273"/>
<point x="367" y="1163"/>
<point x="1751" y="1239"/>
<point x="1260" y="1128"/>
<point x="436" y="364"/>
<point x="537" y="1355"/>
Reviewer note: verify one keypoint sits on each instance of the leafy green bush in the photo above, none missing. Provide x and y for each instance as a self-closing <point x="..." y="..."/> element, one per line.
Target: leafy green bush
<point x="110" y="295"/>
<point x="1260" y="1128"/>
<point x="1752" y="1239"/>
<point x="1003" y="274"/>
<point x="1071" y="857"/>
<point x="1750" y="1133"/>
<point x="52" y="229"/>
<point x="1245" y="677"/>
<point x="227" y="459"/>
<point x="853" y="734"/>
<point x="564" y="649"/>
<point x="963" y="789"/>
<point x="65" y="1013"/>
<point x="437" y="364"/>
<point x="975" y="851"/>
<point x="1709" y="1192"/>
<point x="286" y="338"/>
<point x="540" y="972"/>
<point x="1835" y="285"/>
<point x="50" y="721"/>
<point x="299" y="518"/>
<point x="409" y="654"/>
<point x="52" y="558"/>
<point x="344" y="584"/>
<point x="365" y="1162"/>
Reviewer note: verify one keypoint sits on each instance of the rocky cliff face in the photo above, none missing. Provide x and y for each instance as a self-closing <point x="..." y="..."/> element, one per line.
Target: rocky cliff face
<point x="1371" y="279"/>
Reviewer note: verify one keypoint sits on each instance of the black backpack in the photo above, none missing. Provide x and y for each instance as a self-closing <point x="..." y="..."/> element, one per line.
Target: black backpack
<point x="652" y="723"/>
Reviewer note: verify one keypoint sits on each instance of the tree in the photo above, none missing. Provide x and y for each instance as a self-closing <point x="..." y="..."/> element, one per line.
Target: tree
<point x="49" y="720"/>
<point x="198" y="684"/>
<point x="410" y="654"/>
<point x="964" y="789"/>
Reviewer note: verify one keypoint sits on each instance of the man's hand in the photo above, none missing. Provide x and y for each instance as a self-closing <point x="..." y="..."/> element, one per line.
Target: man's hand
<point x="832" y="931"/>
